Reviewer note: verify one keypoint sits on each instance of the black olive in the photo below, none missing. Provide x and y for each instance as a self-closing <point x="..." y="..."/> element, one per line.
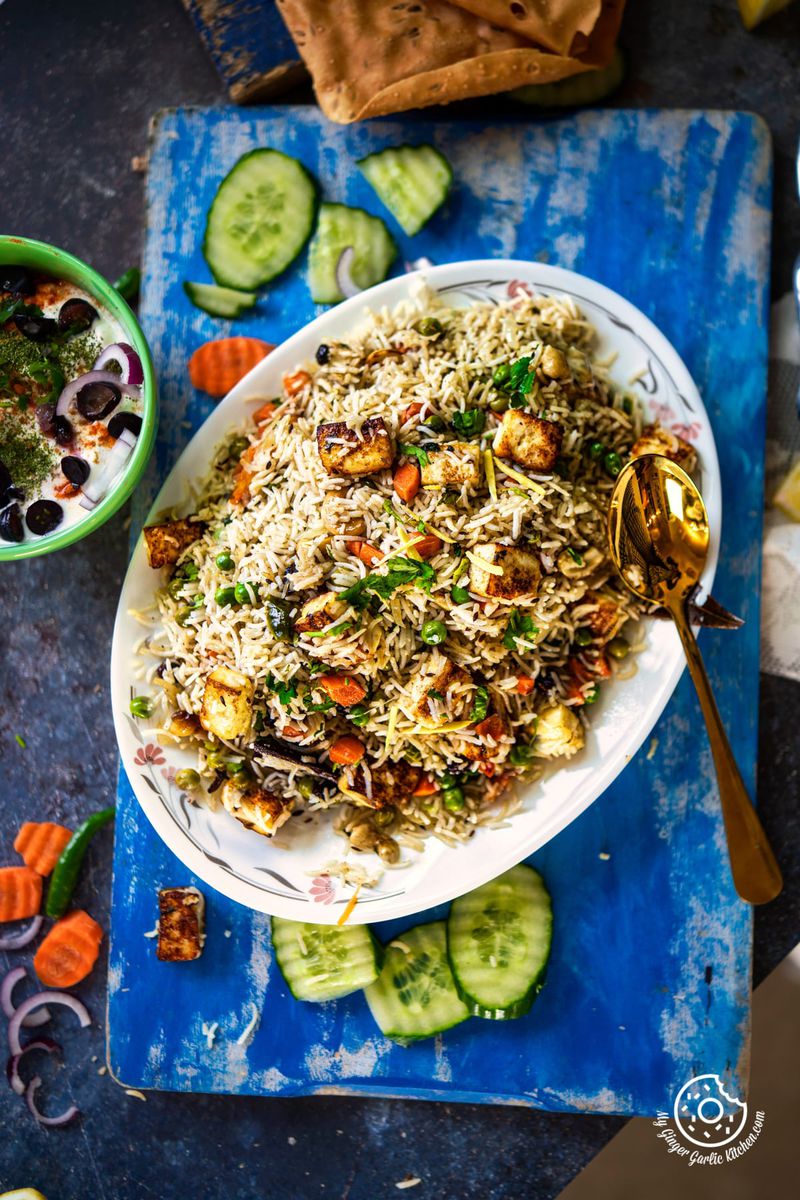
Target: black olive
<point x="11" y="524"/>
<point x="75" y="469"/>
<point x="46" y="418"/>
<point x="124" y="420"/>
<point x="36" y="329"/>
<point x="43" y="516"/>
<point x="62" y="431"/>
<point x="5" y="477"/>
<point x="76" y="315"/>
<point x="16" y="279"/>
<point x="323" y="354"/>
<point x="97" y="400"/>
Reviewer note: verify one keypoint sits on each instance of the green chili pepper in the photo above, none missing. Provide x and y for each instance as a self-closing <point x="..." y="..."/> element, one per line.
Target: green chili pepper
<point x="65" y="875"/>
<point x="279" y="620"/>
<point x="129" y="283"/>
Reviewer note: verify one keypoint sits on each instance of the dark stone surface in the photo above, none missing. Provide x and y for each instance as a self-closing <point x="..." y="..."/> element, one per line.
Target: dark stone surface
<point x="79" y="83"/>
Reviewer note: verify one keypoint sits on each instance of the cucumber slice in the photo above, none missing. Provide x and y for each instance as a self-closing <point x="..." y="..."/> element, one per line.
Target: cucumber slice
<point x="498" y="942"/>
<point x="338" y="228"/>
<point x="260" y="219"/>
<point x="414" y="996"/>
<point x="577" y="90"/>
<point x="219" y="301"/>
<point x="322" y="962"/>
<point x="412" y="181"/>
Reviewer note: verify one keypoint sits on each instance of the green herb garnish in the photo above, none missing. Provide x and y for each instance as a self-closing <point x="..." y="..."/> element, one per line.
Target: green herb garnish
<point x="401" y="571"/>
<point x="576" y="558"/>
<point x="519" y="624"/>
<point x="418" y="453"/>
<point x="480" y="705"/>
<point x="285" y="692"/>
<point x="470" y="422"/>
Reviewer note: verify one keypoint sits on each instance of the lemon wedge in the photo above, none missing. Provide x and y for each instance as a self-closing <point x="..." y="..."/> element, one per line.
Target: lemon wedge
<point x="755" y="11"/>
<point x="787" y="497"/>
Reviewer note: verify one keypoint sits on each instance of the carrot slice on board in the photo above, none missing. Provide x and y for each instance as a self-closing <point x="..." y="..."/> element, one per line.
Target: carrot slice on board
<point x="343" y="689"/>
<point x="68" y="953"/>
<point x="40" y="844"/>
<point x="346" y="750"/>
<point x="20" y="893"/>
<point x="216" y="367"/>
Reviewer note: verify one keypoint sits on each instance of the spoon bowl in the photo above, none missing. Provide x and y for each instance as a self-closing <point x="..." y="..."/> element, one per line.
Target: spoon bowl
<point x="658" y="535"/>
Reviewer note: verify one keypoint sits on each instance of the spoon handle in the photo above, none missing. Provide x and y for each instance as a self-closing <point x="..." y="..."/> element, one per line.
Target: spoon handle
<point x="756" y="874"/>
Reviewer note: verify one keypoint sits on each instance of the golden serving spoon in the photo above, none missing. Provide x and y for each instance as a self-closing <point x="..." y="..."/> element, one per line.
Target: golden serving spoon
<point x="658" y="534"/>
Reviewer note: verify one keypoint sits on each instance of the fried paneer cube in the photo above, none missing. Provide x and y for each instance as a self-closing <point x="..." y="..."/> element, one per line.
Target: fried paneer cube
<point x="227" y="706"/>
<point x="559" y="733"/>
<point x="181" y="916"/>
<point x="443" y="682"/>
<point x="452" y="465"/>
<point x="528" y="440"/>
<point x="520" y="570"/>
<point x="165" y="543"/>
<point x="256" y="808"/>
<point x="390" y="783"/>
<point x="655" y="440"/>
<point x="492" y="731"/>
<point x="319" y="612"/>
<point x="345" y="451"/>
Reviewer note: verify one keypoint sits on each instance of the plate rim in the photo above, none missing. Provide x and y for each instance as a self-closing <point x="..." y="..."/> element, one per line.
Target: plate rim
<point x="500" y="270"/>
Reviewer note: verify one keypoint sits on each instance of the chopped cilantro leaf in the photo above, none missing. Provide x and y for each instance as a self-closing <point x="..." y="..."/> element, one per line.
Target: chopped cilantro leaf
<point x="416" y="452"/>
<point x="470" y="422"/>
<point x="400" y="572"/>
<point x="519" y="624"/>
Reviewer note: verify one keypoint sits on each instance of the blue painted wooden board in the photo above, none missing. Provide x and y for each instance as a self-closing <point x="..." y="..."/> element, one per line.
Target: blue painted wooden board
<point x="650" y="973"/>
<point x="249" y="45"/>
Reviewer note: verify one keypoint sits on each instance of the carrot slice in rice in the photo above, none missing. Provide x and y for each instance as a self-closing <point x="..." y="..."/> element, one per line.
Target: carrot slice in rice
<point x="265" y="413"/>
<point x="216" y="367"/>
<point x="368" y="554"/>
<point x="294" y="384"/>
<point x="70" y="950"/>
<point x="425" y="787"/>
<point x="41" y="844"/>
<point x="346" y="750"/>
<point x="20" y="893"/>
<point x="343" y="689"/>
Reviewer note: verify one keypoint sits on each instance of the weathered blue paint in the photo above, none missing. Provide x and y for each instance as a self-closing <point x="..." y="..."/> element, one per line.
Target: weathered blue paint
<point x="247" y="40"/>
<point x="649" y="979"/>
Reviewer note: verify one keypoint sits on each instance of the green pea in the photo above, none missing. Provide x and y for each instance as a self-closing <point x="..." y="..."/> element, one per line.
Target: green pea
<point x="141" y="706"/>
<point x="612" y="463"/>
<point x="499" y="403"/>
<point x="234" y="765"/>
<point x="187" y="779"/>
<point x="619" y="648"/>
<point x="246" y="593"/>
<point x="596" y="451"/>
<point x="190" y="570"/>
<point x="459" y="595"/>
<point x="583" y="636"/>
<point x="383" y="818"/>
<point x="358" y="714"/>
<point x="453" y="799"/>
<point x="224" y="561"/>
<point x="225" y="596"/>
<point x="501" y="375"/>
<point x="593" y="695"/>
<point x="237" y="446"/>
<point x="183" y="614"/>
<point x="242" y="777"/>
<point x="175" y="587"/>
<point x="520" y="755"/>
<point x="447" y="780"/>
<point x="428" y="326"/>
<point x="215" y="759"/>
<point x="433" y="633"/>
<point x="305" y="787"/>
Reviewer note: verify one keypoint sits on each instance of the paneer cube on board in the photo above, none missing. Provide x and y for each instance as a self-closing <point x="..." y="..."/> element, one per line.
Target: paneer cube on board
<point x="319" y="612"/>
<point x="227" y="705"/>
<point x="256" y="808"/>
<point x="165" y="543"/>
<point x="528" y="440"/>
<point x="346" y="451"/>
<point x="653" y="440"/>
<point x="559" y="733"/>
<point x="520" y="570"/>
<point x="451" y="466"/>
<point x="444" y="683"/>
<point x="181" y="919"/>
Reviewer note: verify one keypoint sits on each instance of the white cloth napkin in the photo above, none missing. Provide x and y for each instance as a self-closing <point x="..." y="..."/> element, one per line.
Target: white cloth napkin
<point x="780" y="599"/>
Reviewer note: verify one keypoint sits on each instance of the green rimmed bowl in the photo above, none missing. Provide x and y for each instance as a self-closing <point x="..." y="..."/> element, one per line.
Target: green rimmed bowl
<point x="39" y="256"/>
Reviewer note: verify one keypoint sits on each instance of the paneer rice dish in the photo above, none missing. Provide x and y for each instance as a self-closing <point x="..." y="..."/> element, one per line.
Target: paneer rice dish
<point x="394" y="597"/>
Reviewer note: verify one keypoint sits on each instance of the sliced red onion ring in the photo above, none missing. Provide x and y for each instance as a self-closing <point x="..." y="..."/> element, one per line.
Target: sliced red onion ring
<point x="36" y="1001"/>
<point x="10" y="981"/>
<point x="15" y="941"/>
<point x="344" y="280"/>
<point x="99" y="482"/>
<point x="63" y="1118"/>
<point x="126" y="359"/>
<point x="71" y="390"/>
<point x="15" y="1080"/>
